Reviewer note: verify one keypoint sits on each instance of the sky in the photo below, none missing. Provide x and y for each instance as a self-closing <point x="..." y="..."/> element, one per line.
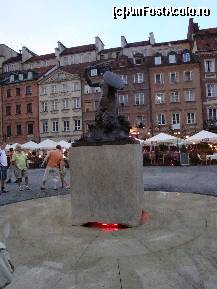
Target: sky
<point x="39" y="24"/>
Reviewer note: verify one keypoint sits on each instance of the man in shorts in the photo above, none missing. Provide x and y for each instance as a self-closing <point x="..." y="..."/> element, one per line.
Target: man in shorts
<point x="54" y="161"/>
<point x="3" y="167"/>
<point x="20" y="162"/>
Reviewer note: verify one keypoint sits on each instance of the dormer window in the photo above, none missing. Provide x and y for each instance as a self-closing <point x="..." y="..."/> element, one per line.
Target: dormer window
<point x="172" y="58"/>
<point x="20" y="76"/>
<point x="30" y="75"/>
<point x="157" y="60"/>
<point x="93" y="72"/>
<point x="186" y="57"/>
<point x="12" y="78"/>
<point x="138" y="59"/>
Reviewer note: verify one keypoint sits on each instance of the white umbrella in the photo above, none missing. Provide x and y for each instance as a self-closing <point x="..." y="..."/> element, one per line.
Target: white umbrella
<point x="31" y="145"/>
<point x="47" y="144"/>
<point x="161" y="138"/>
<point x="64" y="144"/>
<point x="9" y="146"/>
<point x="202" y="136"/>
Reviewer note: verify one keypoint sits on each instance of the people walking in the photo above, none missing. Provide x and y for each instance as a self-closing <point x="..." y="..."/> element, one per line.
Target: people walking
<point x="20" y="162"/>
<point x="64" y="171"/>
<point x="10" y="166"/>
<point x="54" y="161"/>
<point x="3" y="167"/>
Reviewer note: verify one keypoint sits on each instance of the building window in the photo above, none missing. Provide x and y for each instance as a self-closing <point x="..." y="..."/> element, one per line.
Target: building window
<point x="139" y="99"/>
<point x="190" y="118"/>
<point x="88" y="89"/>
<point x="186" y="57"/>
<point x="30" y="128"/>
<point x="157" y="60"/>
<point x="19" y="129"/>
<point x="161" y="119"/>
<point x="45" y="126"/>
<point x="187" y="75"/>
<point x="66" y="103"/>
<point x="64" y="87"/>
<point x="123" y="100"/>
<point x="211" y="90"/>
<point x="18" y="109"/>
<point x="29" y="107"/>
<point x="189" y="95"/>
<point x="175" y="118"/>
<point x="43" y="90"/>
<point x="17" y="91"/>
<point x="28" y="90"/>
<point x="209" y="65"/>
<point x="8" y="92"/>
<point x="76" y="102"/>
<point x="159" y="79"/>
<point x="75" y="86"/>
<point x="30" y="75"/>
<point x="173" y="77"/>
<point x="55" y="125"/>
<point x="212" y="114"/>
<point x="12" y="78"/>
<point x="172" y="58"/>
<point x="159" y="98"/>
<point x="8" y="131"/>
<point x="54" y="105"/>
<point x="140" y="121"/>
<point x="77" y="124"/>
<point x="175" y="96"/>
<point x="8" y="110"/>
<point x="20" y="76"/>
<point x="44" y="105"/>
<point x="138" y="78"/>
<point x="53" y="88"/>
<point x="65" y="60"/>
<point x="66" y="125"/>
<point x="124" y="78"/>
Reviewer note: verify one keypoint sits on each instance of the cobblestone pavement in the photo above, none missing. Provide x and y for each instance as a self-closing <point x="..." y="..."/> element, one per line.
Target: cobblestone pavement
<point x="194" y="179"/>
<point x="35" y="181"/>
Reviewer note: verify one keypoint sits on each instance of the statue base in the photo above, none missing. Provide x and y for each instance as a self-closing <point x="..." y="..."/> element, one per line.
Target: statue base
<point x="106" y="184"/>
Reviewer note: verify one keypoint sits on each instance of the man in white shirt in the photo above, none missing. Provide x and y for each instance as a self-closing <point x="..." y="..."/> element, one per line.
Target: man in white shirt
<point x="3" y="167"/>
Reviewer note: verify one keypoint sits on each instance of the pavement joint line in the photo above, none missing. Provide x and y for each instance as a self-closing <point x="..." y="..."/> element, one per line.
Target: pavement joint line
<point x="85" y="249"/>
<point x="119" y="273"/>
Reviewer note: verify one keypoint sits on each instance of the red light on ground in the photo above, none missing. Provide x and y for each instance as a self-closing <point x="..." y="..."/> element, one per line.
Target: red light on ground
<point x="106" y="227"/>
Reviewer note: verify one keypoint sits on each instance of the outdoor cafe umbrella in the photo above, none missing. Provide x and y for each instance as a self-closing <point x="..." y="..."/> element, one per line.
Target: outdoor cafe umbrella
<point x="47" y="144"/>
<point x="9" y="146"/>
<point x="202" y="136"/>
<point x="64" y="144"/>
<point x="161" y="138"/>
<point x="31" y="145"/>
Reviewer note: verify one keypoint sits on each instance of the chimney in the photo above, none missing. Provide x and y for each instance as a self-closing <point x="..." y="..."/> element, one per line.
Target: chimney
<point x="59" y="49"/>
<point x="26" y="54"/>
<point x="123" y="41"/>
<point x="99" y="44"/>
<point x="193" y="28"/>
<point x="151" y="38"/>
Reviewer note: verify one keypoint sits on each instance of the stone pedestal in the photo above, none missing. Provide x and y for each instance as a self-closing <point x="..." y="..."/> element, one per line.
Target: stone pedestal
<point x="106" y="184"/>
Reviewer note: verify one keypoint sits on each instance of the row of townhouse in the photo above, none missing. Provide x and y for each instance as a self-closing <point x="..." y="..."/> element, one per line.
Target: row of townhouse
<point x="169" y="87"/>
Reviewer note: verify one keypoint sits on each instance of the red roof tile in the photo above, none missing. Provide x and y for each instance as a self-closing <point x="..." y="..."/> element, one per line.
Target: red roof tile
<point x="136" y="44"/>
<point x="79" y="49"/>
<point x="206" y="42"/>
<point x="13" y="59"/>
<point x="172" y="42"/>
<point x="41" y="57"/>
<point x="207" y="31"/>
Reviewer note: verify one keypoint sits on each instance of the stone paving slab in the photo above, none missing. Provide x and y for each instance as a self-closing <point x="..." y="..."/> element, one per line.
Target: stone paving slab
<point x="175" y="249"/>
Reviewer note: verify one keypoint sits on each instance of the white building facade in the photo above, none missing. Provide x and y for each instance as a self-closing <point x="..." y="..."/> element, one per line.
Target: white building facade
<point x="60" y="113"/>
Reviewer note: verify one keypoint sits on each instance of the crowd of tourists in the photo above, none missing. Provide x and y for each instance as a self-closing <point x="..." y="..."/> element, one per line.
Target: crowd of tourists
<point x="16" y="164"/>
